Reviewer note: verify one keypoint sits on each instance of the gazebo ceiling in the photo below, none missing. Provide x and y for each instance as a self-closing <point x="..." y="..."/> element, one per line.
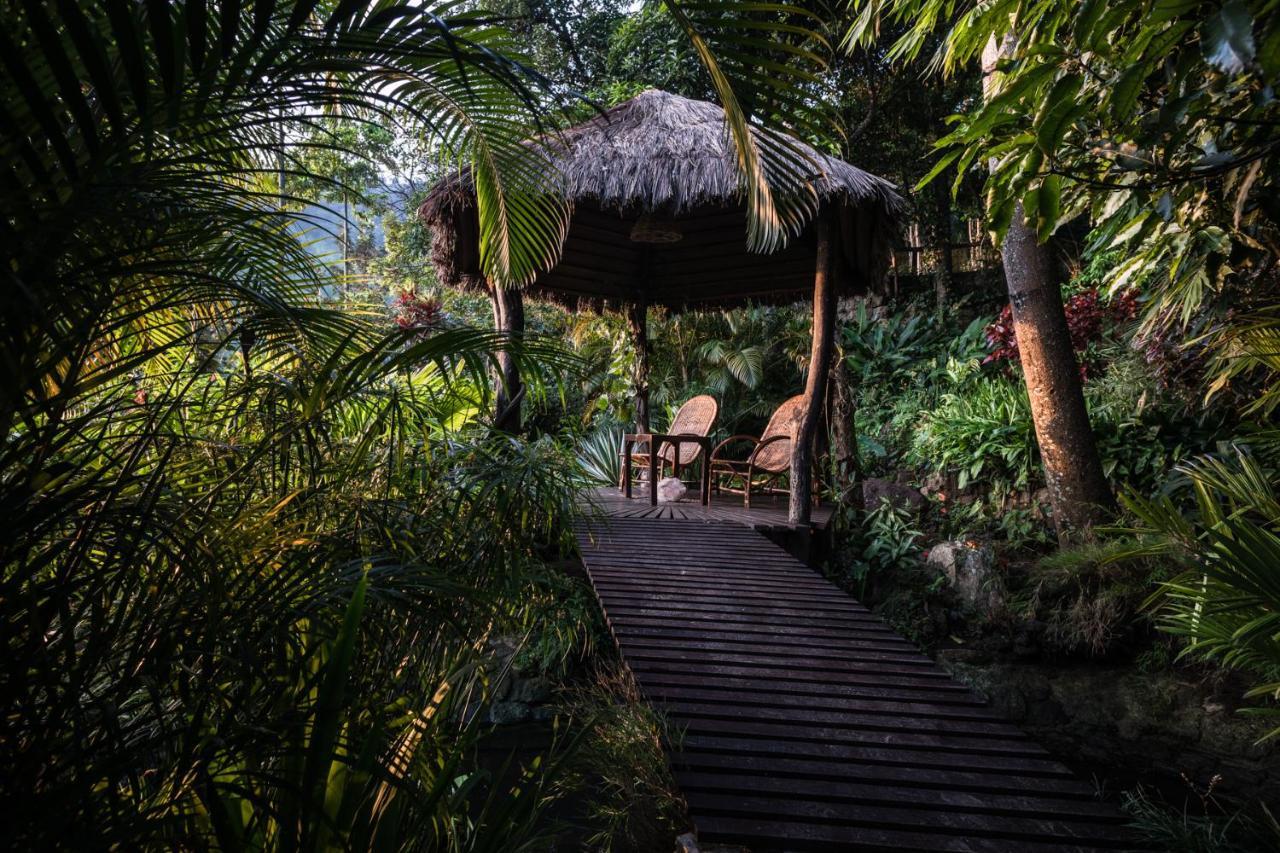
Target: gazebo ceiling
<point x="667" y="163"/>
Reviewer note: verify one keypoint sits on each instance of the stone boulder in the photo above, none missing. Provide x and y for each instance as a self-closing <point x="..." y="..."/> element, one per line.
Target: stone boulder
<point x="971" y="572"/>
<point x="874" y="490"/>
<point x="671" y="490"/>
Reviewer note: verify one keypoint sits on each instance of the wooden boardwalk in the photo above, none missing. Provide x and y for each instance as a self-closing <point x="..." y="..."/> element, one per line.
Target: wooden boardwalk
<point x="807" y="723"/>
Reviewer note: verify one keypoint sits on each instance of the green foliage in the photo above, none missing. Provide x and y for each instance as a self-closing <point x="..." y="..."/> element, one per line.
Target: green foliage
<point x="1157" y="120"/>
<point x="339" y="160"/>
<point x="746" y="358"/>
<point x="902" y="360"/>
<point x="598" y="454"/>
<point x="892" y="539"/>
<point x="884" y="353"/>
<point x="983" y="431"/>
<point x="1087" y="599"/>
<point x="252" y="542"/>
<point x="880" y="541"/>
<point x="634" y="804"/>
<point x="1215" y="826"/>
<point x="1226" y="602"/>
<point x="649" y="50"/>
<point x="562" y="621"/>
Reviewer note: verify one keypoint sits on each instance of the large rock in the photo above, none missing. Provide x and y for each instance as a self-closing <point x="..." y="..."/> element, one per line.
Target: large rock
<point x="970" y="569"/>
<point x="506" y="713"/>
<point x="532" y="690"/>
<point x="670" y="490"/>
<point x="875" y="490"/>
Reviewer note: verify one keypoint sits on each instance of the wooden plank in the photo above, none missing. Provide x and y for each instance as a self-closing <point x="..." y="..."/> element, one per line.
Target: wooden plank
<point x="795" y="835"/>
<point x="913" y="817"/>
<point x="888" y="794"/>
<point x="973" y="780"/>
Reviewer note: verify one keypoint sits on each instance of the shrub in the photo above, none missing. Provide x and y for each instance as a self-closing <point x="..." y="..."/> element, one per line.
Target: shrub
<point x="1087" y="321"/>
<point x="634" y="805"/>
<point x="879" y="542"/>
<point x="1087" y="599"/>
<point x="983" y="430"/>
<point x="1226" y="601"/>
<point x="598" y="454"/>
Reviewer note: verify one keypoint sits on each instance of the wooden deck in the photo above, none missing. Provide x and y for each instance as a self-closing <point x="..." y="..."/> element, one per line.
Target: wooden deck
<point x="768" y="512"/>
<point x="807" y="723"/>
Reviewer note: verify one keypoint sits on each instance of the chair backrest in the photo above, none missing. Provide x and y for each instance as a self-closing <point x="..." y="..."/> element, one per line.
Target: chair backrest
<point x="696" y="416"/>
<point x="776" y="456"/>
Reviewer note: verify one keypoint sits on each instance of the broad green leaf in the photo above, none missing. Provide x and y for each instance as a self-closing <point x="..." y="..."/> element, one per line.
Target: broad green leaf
<point x="1228" y="38"/>
<point x="1050" y="207"/>
<point x="1124" y="92"/>
<point x="1059" y="109"/>
<point x="939" y="167"/>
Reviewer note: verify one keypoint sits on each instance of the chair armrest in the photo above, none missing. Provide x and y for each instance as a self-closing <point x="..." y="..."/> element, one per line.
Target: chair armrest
<point x="770" y="440"/>
<point x="716" y="451"/>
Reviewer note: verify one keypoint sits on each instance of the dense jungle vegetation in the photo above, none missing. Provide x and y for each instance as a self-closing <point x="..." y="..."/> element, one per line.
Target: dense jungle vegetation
<point x="268" y="570"/>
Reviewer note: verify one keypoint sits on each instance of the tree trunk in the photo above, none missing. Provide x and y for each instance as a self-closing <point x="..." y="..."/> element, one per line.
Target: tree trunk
<point x="638" y="320"/>
<point x="1078" y="489"/>
<point x="815" y="388"/>
<point x="943" y="276"/>
<point x="508" y="318"/>
<point x="842" y="403"/>
<point x="346" y="240"/>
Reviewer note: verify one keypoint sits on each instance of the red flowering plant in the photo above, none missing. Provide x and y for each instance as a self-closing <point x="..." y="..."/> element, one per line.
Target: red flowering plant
<point x="1088" y="320"/>
<point x="422" y="315"/>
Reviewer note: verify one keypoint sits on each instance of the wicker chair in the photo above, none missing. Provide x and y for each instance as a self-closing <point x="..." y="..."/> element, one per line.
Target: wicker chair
<point x="696" y="417"/>
<point x="770" y="456"/>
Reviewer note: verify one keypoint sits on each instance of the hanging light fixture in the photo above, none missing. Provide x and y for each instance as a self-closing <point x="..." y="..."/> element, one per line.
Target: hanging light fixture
<point x="649" y="229"/>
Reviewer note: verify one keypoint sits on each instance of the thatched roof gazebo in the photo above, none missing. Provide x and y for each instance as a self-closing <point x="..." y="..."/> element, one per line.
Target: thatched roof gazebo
<point x="659" y="217"/>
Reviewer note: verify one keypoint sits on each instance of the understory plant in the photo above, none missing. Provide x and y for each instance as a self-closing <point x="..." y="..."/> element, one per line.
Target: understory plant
<point x="633" y="804"/>
<point x="1225" y="603"/>
<point x="598" y="453"/>
<point x="982" y="430"/>
<point x="875" y="543"/>
<point x="1087" y="600"/>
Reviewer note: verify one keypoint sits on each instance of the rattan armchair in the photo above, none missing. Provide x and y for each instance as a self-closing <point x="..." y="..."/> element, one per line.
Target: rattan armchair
<point x="696" y="417"/>
<point x="769" y="460"/>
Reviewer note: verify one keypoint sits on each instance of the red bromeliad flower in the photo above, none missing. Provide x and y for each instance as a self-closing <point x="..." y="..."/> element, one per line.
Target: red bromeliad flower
<point x="421" y="314"/>
<point x="1087" y="318"/>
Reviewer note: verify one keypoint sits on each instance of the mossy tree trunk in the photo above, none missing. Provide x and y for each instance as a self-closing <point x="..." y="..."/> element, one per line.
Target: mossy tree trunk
<point x="843" y="406"/>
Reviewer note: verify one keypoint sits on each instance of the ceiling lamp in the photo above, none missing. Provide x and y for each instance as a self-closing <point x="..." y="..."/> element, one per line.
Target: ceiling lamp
<point x="650" y="230"/>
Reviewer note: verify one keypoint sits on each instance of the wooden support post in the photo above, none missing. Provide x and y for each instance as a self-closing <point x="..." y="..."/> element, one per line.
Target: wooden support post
<point x="508" y="317"/>
<point x="638" y="320"/>
<point x="815" y="388"/>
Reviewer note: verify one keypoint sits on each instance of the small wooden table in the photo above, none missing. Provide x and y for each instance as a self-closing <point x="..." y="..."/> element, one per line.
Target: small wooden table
<point x="655" y="440"/>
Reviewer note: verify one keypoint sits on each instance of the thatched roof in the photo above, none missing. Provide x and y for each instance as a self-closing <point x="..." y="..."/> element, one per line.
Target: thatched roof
<point x="672" y="157"/>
